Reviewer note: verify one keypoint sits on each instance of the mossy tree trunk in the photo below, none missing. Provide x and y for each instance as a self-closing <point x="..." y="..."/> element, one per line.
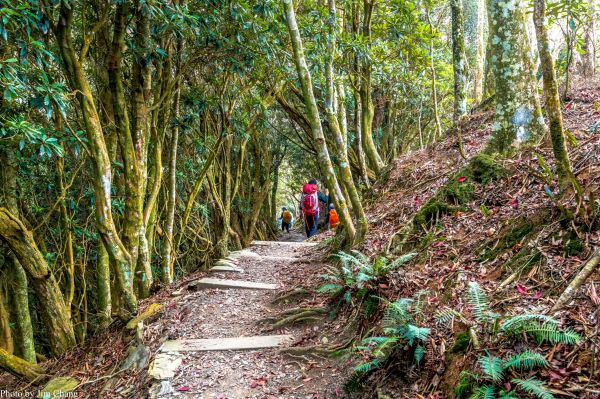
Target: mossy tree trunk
<point x="459" y="59"/>
<point x="518" y="116"/>
<point x="102" y="175"/>
<point x="563" y="164"/>
<point x="103" y="295"/>
<point x="315" y="121"/>
<point x="168" y="255"/>
<point x="52" y="305"/>
<point x="16" y="278"/>
<point x="341" y="153"/>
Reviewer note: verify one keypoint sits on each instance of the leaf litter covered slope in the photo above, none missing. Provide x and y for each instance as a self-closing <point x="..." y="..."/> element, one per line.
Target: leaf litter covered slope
<point x="512" y="238"/>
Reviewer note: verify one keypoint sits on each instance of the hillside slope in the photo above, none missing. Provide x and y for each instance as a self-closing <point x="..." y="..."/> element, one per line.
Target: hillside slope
<point x="504" y="228"/>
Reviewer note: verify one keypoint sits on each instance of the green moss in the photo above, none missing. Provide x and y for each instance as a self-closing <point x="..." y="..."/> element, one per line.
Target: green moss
<point x="461" y="342"/>
<point x="573" y="244"/>
<point x="484" y="169"/>
<point x="457" y="192"/>
<point x="431" y="211"/>
<point x="515" y="234"/>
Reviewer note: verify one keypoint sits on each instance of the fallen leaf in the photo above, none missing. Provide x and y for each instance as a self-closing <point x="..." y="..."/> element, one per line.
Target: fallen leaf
<point x="521" y="288"/>
<point x="461" y="179"/>
<point x="183" y="389"/>
<point x="514" y="203"/>
<point x="537" y="295"/>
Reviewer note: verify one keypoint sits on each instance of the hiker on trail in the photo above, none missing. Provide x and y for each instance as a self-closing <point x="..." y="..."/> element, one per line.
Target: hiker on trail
<point x="286" y="219"/>
<point x="309" y="206"/>
<point x="334" y="219"/>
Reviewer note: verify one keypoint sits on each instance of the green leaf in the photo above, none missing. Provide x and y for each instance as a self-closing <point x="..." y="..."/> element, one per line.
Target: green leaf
<point x="525" y="360"/>
<point x="534" y="386"/>
<point x="492" y="367"/>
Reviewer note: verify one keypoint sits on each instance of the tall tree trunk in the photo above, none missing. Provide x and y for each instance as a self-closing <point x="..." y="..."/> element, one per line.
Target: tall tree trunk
<point x="517" y="116"/>
<point x="588" y="58"/>
<point x="102" y="176"/>
<point x="434" y="99"/>
<point x="315" y="122"/>
<point x="563" y="164"/>
<point x="168" y="248"/>
<point x="103" y="294"/>
<point x="341" y="153"/>
<point x="474" y="12"/>
<point x="366" y="98"/>
<point x="141" y="135"/>
<point x="459" y="59"/>
<point x="52" y="305"/>
<point x="360" y="152"/>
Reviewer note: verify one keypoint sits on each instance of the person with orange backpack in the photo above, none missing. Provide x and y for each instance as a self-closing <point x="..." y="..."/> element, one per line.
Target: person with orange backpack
<point x="334" y="219"/>
<point x="309" y="206"/>
<point x="286" y="219"/>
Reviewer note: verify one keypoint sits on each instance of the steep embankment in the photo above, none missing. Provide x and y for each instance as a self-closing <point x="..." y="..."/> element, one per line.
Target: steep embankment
<point x="498" y="223"/>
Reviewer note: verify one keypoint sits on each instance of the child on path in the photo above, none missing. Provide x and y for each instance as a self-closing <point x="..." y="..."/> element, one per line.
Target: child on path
<point x="286" y="219"/>
<point x="334" y="219"/>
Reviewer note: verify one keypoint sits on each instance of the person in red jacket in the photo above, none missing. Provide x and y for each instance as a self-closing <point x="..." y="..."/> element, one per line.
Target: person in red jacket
<point x="309" y="206"/>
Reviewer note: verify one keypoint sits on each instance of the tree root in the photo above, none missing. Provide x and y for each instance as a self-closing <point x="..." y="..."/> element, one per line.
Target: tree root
<point x="577" y="282"/>
<point x="293" y="293"/>
<point x="19" y="367"/>
<point x="296" y="315"/>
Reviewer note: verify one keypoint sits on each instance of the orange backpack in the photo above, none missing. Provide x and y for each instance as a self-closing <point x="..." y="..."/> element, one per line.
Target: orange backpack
<point x="334" y="219"/>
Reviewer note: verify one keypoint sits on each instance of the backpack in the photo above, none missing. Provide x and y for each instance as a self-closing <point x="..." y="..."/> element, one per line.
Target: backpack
<point x="310" y="199"/>
<point x="334" y="219"/>
<point x="286" y="216"/>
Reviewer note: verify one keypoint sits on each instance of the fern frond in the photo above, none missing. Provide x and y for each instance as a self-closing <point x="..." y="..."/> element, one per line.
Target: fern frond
<point x="330" y="288"/>
<point x="411" y="333"/>
<point x="516" y="323"/>
<point x="446" y="315"/>
<point x="526" y="360"/>
<point x="479" y="302"/>
<point x="397" y="262"/>
<point x="552" y="334"/>
<point x="419" y="353"/>
<point x="484" y="392"/>
<point x="534" y="386"/>
<point x="397" y="312"/>
<point x="419" y="302"/>
<point x="492" y="367"/>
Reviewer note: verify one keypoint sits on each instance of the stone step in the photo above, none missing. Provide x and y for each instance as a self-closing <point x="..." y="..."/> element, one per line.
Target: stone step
<point x="285" y="243"/>
<point x="226" y="268"/>
<point x="226" y="344"/>
<point x="222" y="283"/>
<point x="241" y="254"/>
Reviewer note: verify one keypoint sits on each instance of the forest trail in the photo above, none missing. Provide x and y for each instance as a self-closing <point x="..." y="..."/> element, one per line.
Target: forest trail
<point x="237" y="314"/>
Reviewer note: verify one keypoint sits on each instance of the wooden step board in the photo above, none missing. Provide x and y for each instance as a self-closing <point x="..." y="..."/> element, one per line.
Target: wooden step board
<point x="222" y="283"/>
<point x="226" y="344"/>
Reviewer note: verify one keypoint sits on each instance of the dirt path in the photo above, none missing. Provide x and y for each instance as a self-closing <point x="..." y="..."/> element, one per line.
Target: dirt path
<point x="221" y="313"/>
